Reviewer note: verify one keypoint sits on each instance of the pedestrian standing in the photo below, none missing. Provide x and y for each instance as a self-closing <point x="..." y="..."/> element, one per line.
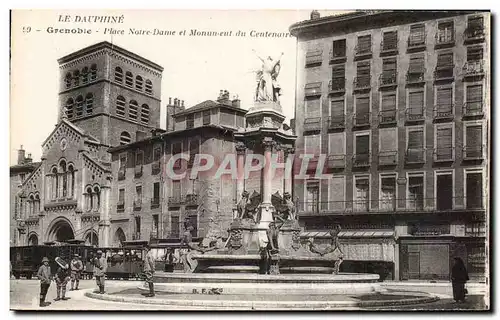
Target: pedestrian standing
<point x="45" y="277"/>
<point x="76" y="271"/>
<point x="149" y="270"/>
<point x="62" y="277"/>
<point x="100" y="267"/>
<point x="459" y="277"/>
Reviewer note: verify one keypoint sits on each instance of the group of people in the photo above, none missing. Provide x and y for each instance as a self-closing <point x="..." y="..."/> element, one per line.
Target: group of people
<point x="65" y="273"/>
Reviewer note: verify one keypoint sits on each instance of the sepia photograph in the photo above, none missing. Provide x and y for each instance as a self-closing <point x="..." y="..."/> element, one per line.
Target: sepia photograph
<point x="250" y="160"/>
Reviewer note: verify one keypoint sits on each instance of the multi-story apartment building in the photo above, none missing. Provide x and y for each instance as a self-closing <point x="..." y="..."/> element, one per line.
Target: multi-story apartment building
<point x="151" y="204"/>
<point x="399" y="102"/>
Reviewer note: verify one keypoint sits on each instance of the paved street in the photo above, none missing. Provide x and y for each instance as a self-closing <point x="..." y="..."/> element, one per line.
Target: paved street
<point x="24" y="295"/>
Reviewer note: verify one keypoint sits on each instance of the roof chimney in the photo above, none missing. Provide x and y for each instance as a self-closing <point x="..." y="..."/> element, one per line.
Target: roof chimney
<point x="169" y="101"/>
<point x="20" y="155"/>
<point x="315" y="15"/>
<point x="28" y="159"/>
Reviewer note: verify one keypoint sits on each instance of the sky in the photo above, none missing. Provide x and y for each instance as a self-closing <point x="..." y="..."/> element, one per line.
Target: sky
<point x="196" y="68"/>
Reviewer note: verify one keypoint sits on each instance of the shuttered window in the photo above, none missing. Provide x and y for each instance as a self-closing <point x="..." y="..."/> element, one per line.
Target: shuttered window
<point x="475" y="23"/>
<point x="474" y="140"/>
<point x="417" y="34"/>
<point x="416" y="139"/>
<point x="444" y="99"/>
<point x="416" y="63"/>
<point x="445" y="60"/>
<point x="474" y="53"/>
<point x="174" y="227"/>
<point x="444" y="143"/>
<point x="363" y="70"/>
<point x="474" y="98"/>
<point x="176" y="189"/>
<point x="364" y="44"/>
<point x="362" y="105"/>
<point x="337" y="108"/>
<point x="389" y="102"/>
<point x="362" y="144"/>
<point x="474" y="185"/>
<point x="390" y="40"/>
<point x="313" y="108"/>
<point x="389" y="65"/>
<point x="339" y="48"/>
<point x="338" y="71"/>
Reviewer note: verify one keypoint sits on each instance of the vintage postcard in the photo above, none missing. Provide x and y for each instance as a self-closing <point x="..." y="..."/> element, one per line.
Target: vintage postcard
<point x="198" y="160"/>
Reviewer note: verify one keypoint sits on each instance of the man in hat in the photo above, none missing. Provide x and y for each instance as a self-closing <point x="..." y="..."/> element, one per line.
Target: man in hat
<point x="149" y="270"/>
<point x="45" y="276"/>
<point x="100" y="267"/>
<point x="76" y="271"/>
<point x="62" y="277"/>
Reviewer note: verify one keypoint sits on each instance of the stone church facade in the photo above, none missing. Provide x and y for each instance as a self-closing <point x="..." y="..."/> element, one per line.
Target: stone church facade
<point x="108" y="96"/>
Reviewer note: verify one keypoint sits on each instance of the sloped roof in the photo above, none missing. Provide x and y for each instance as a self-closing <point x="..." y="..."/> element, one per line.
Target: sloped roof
<point x="74" y="127"/>
<point x="207" y="105"/>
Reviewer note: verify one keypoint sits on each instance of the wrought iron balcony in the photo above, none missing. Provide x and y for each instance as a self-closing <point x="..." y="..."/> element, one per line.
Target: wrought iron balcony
<point x="387" y="158"/>
<point x="336" y="161"/>
<point x="388" y="78"/>
<point x="155" y="167"/>
<point x="444" y="154"/>
<point x="336" y="122"/>
<point x="474" y="68"/>
<point x="361" y="160"/>
<point x="362" y="83"/>
<point x="175" y="201"/>
<point x="388" y="116"/>
<point x="473" y="109"/>
<point x="415" y="156"/>
<point x="312" y="124"/>
<point x="314" y="57"/>
<point x="121" y="174"/>
<point x="191" y="200"/>
<point x="138" y="170"/>
<point x="362" y="119"/>
<point x="336" y="85"/>
<point x="443" y="112"/>
<point x="415" y="76"/>
<point x="415" y="114"/>
<point x="475" y="152"/>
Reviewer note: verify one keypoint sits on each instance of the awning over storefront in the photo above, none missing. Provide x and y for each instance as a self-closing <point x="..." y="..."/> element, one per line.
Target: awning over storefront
<point x="350" y="234"/>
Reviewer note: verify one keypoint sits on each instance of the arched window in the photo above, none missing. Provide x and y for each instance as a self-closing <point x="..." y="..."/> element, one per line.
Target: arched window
<point x="120" y="106"/>
<point x="88" y="199"/>
<point x="31" y="205"/>
<point x="96" y="199"/>
<point x="129" y="79"/>
<point x="93" y="72"/>
<point x="64" y="179"/>
<point x="138" y="83"/>
<point x="79" y="106"/>
<point x="132" y="109"/>
<point x="76" y="77"/>
<point x="149" y="87"/>
<point x="85" y="75"/>
<point x="71" y="181"/>
<point x="119" y="75"/>
<point x="67" y="80"/>
<point x="37" y="203"/>
<point x="54" y="184"/>
<point x="69" y="108"/>
<point x="125" y="138"/>
<point x="145" y="114"/>
<point x="89" y="103"/>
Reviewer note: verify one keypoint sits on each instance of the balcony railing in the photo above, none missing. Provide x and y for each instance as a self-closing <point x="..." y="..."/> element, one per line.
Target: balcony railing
<point x="415" y="114"/>
<point x="443" y="72"/>
<point x="443" y="112"/>
<point x="312" y="89"/>
<point x="474" y="33"/>
<point x="415" y="76"/>
<point x="442" y="154"/>
<point x="138" y="171"/>
<point x="445" y="38"/>
<point x="155" y="202"/>
<point x="387" y="158"/>
<point x="155" y="167"/>
<point x="336" y="122"/>
<point x="392" y="205"/>
<point x="415" y="156"/>
<point x="475" y="152"/>
<point x="474" y="68"/>
<point x="473" y="108"/>
<point x="314" y="57"/>
<point x="173" y="201"/>
<point x="388" y="116"/>
<point x="120" y="205"/>
<point x="363" y="82"/>
<point x="121" y="174"/>
<point x="361" y="160"/>
<point x="336" y="85"/>
<point x="191" y="200"/>
<point x="388" y="78"/>
<point x="137" y="204"/>
<point x="312" y="124"/>
<point x="362" y="119"/>
<point x="336" y="161"/>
